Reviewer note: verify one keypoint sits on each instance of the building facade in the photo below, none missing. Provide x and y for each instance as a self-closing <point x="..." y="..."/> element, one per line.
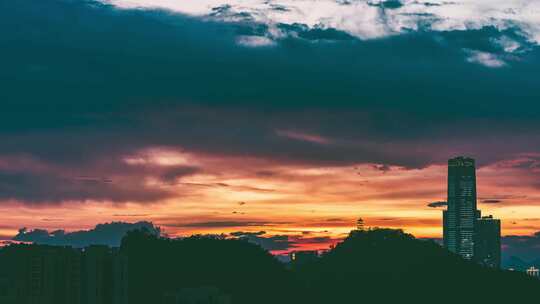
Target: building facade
<point x="465" y="231"/>
<point x="461" y="214"/>
<point x="487" y="247"/>
<point x="39" y="274"/>
<point x="105" y="278"/>
<point x="42" y="274"/>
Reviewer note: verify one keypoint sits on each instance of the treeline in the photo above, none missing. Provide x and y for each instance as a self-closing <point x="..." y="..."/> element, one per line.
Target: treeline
<point x="372" y="266"/>
<point x="202" y="270"/>
<point x="389" y="266"/>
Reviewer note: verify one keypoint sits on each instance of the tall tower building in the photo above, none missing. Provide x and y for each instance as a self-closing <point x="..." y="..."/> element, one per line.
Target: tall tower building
<point x="460" y="217"/>
<point x="487" y="246"/>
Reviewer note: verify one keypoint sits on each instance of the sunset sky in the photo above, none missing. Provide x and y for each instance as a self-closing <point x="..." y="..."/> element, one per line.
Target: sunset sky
<point x="292" y="117"/>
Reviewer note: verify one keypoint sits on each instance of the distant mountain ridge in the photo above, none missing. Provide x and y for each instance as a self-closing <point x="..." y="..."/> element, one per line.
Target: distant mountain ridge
<point x="519" y="264"/>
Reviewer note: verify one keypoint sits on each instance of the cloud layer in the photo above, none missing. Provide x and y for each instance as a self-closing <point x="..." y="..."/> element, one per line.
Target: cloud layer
<point x="302" y="110"/>
<point x="365" y="19"/>
<point x="371" y="19"/>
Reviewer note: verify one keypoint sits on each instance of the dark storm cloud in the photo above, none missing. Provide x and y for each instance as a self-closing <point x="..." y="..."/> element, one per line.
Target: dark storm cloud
<point x="35" y="182"/>
<point x="501" y="197"/>
<point x="103" y="234"/>
<point x="83" y="82"/>
<point x="172" y="175"/>
<point x="44" y="188"/>
<point x="492" y="201"/>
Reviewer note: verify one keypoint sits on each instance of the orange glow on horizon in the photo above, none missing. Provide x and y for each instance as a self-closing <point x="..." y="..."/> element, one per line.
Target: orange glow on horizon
<point x="233" y="194"/>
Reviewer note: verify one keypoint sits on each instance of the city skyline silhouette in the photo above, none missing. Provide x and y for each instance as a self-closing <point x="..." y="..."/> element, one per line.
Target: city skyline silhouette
<point x="112" y="264"/>
<point x="251" y="149"/>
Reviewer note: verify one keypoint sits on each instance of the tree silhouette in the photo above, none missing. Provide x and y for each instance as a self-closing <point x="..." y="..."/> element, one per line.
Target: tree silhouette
<point x="389" y="266"/>
<point x="234" y="269"/>
<point x="369" y="266"/>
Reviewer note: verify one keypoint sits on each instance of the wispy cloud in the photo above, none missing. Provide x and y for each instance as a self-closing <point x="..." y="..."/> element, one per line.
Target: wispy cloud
<point x="437" y="204"/>
<point x="492" y="201"/>
<point x="302" y="136"/>
<point x="489" y="60"/>
<point x="255" y="41"/>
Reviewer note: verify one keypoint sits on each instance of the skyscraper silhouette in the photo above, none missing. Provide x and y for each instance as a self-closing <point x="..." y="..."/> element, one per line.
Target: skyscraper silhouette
<point x="460" y="217"/>
<point x="487" y="250"/>
<point x="466" y="232"/>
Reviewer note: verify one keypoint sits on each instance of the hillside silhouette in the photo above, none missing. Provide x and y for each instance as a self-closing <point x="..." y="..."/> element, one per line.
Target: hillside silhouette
<point x="390" y="266"/>
<point x="377" y="266"/>
<point x="202" y="270"/>
<point x="369" y="266"/>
